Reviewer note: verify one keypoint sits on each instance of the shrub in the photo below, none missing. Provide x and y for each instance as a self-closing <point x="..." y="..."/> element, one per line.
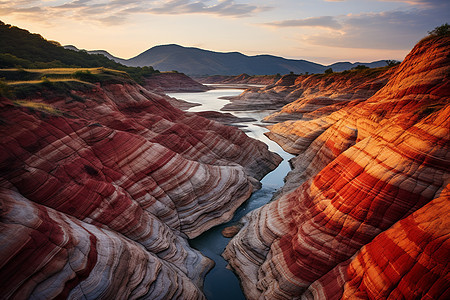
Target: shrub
<point x="85" y="76"/>
<point x="392" y="62"/>
<point x="360" y="67"/>
<point x="329" y="71"/>
<point x="46" y="82"/>
<point x="5" y="90"/>
<point x="440" y="30"/>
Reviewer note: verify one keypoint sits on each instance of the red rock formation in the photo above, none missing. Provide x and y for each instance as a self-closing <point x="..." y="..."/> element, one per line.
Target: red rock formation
<point x="172" y="82"/>
<point x="361" y="170"/>
<point x="101" y="185"/>
<point x="409" y="260"/>
<point x="308" y="94"/>
<point x="48" y="254"/>
<point x="239" y="79"/>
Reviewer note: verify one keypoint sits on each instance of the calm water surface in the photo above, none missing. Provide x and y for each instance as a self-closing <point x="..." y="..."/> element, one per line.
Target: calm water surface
<point x="221" y="283"/>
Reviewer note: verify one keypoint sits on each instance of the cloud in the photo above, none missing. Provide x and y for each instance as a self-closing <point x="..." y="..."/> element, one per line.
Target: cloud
<point x="385" y="30"/>
<point x="423" y="3"/>
<point x="324" y="22"/>
<point x="221" y="8"/>
<point x="393" y="30"/>
<point x="119" y="11"/>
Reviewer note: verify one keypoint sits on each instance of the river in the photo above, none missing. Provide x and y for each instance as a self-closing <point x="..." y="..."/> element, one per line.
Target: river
<point x="221" y="283"/>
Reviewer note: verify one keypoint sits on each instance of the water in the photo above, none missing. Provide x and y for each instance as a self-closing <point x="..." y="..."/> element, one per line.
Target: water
<point x="221" y="283"/>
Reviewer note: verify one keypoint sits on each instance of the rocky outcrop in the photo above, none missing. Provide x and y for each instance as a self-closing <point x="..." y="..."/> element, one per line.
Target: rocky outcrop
<point x="102" y="183"/>
<point x="224" y="118"/>
<point x="240" y="79"/>
<point x="302" y="94"/>
<point x="341" y="228"/>
<point x="172" y="82"/>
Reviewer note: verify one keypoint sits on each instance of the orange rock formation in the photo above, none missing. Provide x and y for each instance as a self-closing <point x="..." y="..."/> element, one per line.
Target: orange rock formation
<point x="365" y="213"/>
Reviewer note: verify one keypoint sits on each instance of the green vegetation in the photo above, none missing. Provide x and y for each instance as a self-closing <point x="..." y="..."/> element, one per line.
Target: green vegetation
<point x="22" y="49"/>
<point x="38" y="106"/>
<point x="442" y="30"/>
<point x="329" y="71"/>
<point x="5" y="90"/>
<point x="24" y="83"/>
<point x="360" y="72"/>
<point x="392" y="62"/>
<point x="85" y="76"/>
<point x="438" y="32"/>
<point x="360" y="67"/>
<point x="102" y="75"/>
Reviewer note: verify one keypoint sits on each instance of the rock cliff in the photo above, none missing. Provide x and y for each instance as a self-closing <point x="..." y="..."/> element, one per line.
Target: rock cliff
<point x="102" y="184"/>
<point x="365" y="211"/>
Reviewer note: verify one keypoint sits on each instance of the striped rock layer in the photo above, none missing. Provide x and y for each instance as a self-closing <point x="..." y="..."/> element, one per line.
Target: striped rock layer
<point x="239" y="79"/>
<point x="101" y="185"/>
<point x="303" y="94"/>
<point x="172" y="82"/>
<point x="366" y="214"/>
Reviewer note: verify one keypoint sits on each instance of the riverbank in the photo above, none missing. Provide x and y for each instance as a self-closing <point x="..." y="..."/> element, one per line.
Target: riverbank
<point x="221" y="283"/>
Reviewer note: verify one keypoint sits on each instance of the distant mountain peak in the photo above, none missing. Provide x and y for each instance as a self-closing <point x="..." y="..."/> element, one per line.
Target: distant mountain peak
<point x="199" y="62"/>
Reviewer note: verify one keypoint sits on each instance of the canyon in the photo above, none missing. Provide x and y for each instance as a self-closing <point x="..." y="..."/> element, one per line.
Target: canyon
<point x="364" y="213"/>
<point x="107" y="185"/>
<point x="103" y="183"/>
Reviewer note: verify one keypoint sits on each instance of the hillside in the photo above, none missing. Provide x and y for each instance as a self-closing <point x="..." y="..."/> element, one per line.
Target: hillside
<point x="200" y="62"/>
<point x="102" y="52"/>
<point x="20" y="48"/>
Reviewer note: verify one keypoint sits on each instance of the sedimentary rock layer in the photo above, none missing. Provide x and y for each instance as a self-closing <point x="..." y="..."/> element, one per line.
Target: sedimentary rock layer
<point x="172" y="82"/>
<point x="115" y="173"/>
<point x="47" y="254"/>
<point x="240" y="79"/>
<point x="308" y="93"/>
<point x="409" y="261"/>
<point x="359" y="171"/>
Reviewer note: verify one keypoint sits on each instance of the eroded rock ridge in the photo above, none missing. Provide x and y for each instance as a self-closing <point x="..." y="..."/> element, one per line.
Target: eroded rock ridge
<point x="101" y="185"/>
<point x="365" y="211"/>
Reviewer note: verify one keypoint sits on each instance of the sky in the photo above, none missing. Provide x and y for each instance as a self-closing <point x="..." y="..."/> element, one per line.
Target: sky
<point x="322" y="31"/>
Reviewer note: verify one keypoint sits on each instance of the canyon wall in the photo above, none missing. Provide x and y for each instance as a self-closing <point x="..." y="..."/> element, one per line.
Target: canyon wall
<point x="102" y="184"/>
<point x="364" y="213"/>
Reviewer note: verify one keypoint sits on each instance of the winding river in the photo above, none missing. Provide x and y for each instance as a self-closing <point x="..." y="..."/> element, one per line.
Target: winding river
<point x="221" y="283"/>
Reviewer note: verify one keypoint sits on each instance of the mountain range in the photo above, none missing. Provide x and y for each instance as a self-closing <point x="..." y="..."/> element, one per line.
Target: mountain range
<point x="199" y="62"/>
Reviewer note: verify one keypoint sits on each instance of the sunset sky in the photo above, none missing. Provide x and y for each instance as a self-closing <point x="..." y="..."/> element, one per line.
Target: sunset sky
<point x="323" y="31"/>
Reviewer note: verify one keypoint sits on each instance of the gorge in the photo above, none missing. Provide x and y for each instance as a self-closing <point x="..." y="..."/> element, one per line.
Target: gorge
<point x="366" y="212"/>
<point x="110" y="178"/>
<point x="110" y="188"/>
<point x="221" y="283"/>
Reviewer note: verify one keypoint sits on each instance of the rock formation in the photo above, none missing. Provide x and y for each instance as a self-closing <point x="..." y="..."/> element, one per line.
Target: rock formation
<point x="240" y="79"/>
<point x="224" y="118"/>
<point x="102" y="183"/>
<point x="172" y="82"/>
<point x="365" y="212"/>
<point x="308" y="93"/>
